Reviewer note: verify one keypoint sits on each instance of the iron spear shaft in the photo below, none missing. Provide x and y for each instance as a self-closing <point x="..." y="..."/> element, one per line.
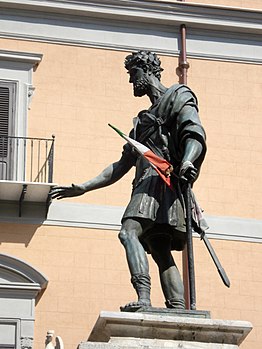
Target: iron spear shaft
<point x="190" y="252"/>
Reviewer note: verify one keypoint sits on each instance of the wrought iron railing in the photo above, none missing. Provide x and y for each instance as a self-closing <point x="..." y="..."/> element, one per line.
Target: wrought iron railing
<point x="26" y="159"/>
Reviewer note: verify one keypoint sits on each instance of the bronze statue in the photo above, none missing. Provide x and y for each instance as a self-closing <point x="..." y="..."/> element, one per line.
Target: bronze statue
<point x="154" y="220"/>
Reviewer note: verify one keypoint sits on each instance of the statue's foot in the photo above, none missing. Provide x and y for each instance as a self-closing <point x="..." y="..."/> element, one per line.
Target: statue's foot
<point x="134" y="306"/>
<point x="175" y="304"/>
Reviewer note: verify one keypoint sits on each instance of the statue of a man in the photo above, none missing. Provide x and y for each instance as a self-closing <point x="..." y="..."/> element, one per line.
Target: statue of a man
<point x="154" y="220"/>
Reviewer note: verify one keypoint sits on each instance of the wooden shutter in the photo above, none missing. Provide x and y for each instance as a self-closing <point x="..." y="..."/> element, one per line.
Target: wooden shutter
<point x="4" y="119"/>
<point x="7" y="109"/>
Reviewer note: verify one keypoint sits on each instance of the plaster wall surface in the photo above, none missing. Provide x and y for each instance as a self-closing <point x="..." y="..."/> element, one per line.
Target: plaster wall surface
<point x="229" y="103"/>
<point x="79" y="90"/>
<point x="253" y="4"/>
<point x="87" y="273"/>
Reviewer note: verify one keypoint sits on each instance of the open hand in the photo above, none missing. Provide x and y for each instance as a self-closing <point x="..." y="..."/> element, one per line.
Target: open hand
<point x="60" y="192"/>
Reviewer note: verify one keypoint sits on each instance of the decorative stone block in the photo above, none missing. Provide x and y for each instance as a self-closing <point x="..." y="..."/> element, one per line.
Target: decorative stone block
<point x="159" y="329"/>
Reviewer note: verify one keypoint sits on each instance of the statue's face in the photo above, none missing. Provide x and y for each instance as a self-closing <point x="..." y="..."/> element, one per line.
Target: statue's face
<point x="139" y="80"/>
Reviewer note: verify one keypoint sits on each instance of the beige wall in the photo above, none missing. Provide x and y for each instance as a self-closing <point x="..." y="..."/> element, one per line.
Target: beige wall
<point x="88" y="273"/>
<point x="253" y="4"/>
<point x="80" y="90"/>
<point x="230" y="111"/>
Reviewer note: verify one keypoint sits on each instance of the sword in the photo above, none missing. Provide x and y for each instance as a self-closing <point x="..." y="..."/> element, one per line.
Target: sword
<point x="208" y="245"/>
<point x="213" y="255"/>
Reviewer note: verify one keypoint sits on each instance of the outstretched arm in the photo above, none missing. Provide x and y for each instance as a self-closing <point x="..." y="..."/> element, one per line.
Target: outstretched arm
<point x="108" y="176"/>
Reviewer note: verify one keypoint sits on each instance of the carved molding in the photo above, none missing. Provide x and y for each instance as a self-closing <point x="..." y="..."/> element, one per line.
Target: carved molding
<point x="23" y="57"/>
<point x="26" y="278"/>
<point x="134" y="24"/>
<point x="27" y="342"/>
<point x="168" y="13"/>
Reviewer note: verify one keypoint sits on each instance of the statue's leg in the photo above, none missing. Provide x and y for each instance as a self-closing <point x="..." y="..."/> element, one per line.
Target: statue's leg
<point x="137" y="262"/>
<point x="170" y="278"/>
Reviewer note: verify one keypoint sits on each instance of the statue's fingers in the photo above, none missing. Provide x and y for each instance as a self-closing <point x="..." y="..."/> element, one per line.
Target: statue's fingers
<point x="55" y="196"/>
<point x="193" y="174"/>
<point x="61" y="188"/>
<point x="59" y="195"/>
<point x="192" y="178"/>
<point x="184" y="178"/>
<point x="54" y="188"/>
<point x="56" y="191"/>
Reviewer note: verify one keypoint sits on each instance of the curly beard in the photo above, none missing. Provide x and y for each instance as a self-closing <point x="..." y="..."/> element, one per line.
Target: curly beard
<point x="140" y="87"/>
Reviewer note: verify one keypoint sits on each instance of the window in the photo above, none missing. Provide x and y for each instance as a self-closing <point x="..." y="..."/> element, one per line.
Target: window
<point x="8" y="338"/>
<point x="7" y="113"/>
<point x="20" y="284"/>
<point x="16" y="71"/>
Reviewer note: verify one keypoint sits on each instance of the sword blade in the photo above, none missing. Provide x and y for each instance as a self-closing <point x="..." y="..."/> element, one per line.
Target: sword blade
<point x="213" y="255"/>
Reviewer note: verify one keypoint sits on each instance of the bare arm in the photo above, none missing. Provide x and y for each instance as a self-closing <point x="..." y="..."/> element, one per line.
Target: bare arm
<point x="192" y="151"/>
<point x="108" y="176"/>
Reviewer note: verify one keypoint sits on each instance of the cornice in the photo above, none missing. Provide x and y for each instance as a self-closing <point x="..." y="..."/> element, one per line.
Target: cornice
<point x="159" y="12"/>
<point x="23" y="57"/>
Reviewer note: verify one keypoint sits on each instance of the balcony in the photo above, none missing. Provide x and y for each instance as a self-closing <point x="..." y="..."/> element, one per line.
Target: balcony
<point x="26" y="173"/>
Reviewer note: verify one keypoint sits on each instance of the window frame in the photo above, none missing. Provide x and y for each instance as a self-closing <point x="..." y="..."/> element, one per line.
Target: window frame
<point x="20" y="286"/>
<point x="16" y="70"/>
<point x="10" y="169"/>
<point x="17" y="325"/>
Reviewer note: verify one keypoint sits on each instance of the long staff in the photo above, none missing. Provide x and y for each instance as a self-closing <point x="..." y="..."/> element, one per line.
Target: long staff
<point x="190" y="253"/>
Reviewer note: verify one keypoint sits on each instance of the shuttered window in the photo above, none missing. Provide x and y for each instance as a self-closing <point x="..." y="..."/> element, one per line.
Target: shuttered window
<point x="7" y="107"/>
<point x="4" y="119"/>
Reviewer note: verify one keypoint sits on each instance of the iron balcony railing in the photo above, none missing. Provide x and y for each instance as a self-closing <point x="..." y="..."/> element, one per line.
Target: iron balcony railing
<point x="26" y="159"/>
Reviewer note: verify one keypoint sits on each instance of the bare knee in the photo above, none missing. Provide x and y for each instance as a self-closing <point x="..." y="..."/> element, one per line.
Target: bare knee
<point x="126" y="236"/>
<point x="130" y="231"/>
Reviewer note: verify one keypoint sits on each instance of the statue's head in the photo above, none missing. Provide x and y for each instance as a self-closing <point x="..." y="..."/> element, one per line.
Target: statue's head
<point x="140" y="66"/>
<point x="146" y="60"/>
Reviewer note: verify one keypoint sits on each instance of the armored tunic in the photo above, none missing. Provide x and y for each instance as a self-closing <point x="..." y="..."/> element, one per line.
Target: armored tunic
<point x="164" y="128"/>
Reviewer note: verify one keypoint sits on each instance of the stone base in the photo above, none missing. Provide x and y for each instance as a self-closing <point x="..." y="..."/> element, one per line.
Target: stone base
<point x="155" y="344"/>
<point x="175" y="312"/>
<point x="159" y="329"/>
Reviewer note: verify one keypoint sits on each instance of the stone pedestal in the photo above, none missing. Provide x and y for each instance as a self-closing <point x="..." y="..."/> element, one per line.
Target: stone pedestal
<point x="160" y="330"/>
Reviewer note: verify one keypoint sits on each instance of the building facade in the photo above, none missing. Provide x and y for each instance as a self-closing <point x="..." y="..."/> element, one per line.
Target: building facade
<point x="62" y="74"/>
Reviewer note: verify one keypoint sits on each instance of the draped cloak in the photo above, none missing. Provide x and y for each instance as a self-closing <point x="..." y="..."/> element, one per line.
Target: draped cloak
<point x="164" y="128"/>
